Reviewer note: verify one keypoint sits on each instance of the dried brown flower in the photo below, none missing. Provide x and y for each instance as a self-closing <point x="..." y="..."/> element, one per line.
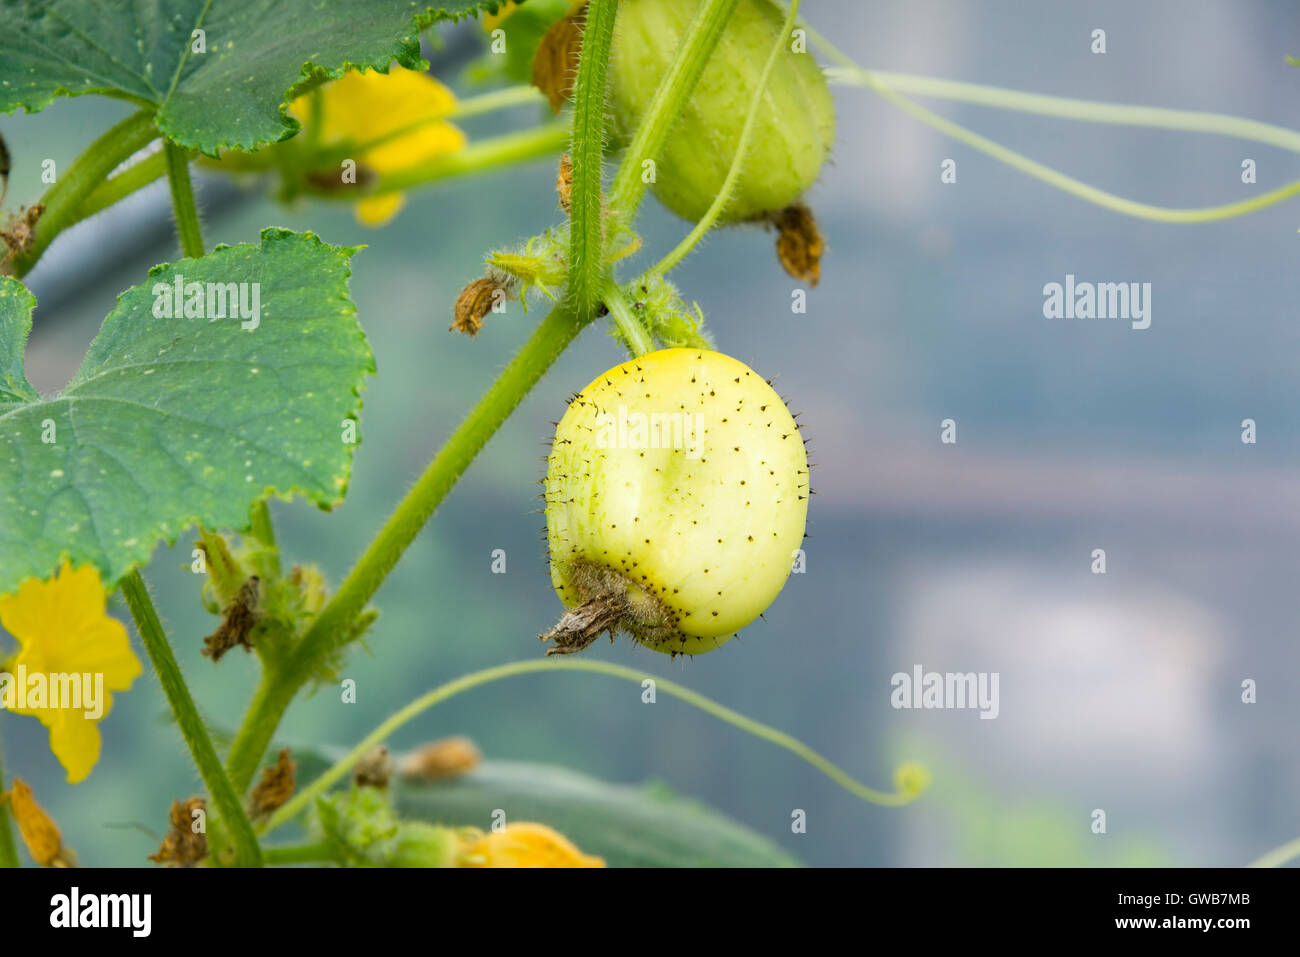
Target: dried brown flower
<point x="185" y="845"/>
<point x="555" y="65"/>
<point x="799" y="244"/>
<point x="237" y="624"/>
<point x="275" y="787"/>
<point x="475" y="302"/>
<point x="39" y="832"/>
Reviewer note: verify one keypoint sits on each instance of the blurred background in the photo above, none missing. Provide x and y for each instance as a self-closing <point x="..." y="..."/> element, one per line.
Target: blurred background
<point x="1119" y="692"/>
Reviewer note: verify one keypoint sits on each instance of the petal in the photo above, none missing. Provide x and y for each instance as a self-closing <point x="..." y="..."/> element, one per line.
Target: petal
<point x="363" y="106"/>
<point x="25" y="612"/>
<point x="75" y="741"/>
<point x="106" y="650"/>
<point x="80" y="595"/>
<point x="435" y="139"/>
<point x="529" y="845"/>
<point x="378" y="210"/>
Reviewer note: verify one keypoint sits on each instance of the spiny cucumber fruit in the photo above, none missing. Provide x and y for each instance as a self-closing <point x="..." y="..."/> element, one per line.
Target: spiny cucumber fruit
<point x="676" y="498"/>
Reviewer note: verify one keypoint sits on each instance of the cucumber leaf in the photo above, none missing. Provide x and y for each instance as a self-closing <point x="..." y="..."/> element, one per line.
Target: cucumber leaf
<point x="173" y="420"/>
<point x="255" y="56"/>
<point x="627" y="826"/>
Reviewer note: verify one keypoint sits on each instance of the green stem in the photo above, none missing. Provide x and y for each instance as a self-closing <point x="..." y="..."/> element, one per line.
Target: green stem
<point x="1069" y="184"/>
<point x="587" y="154"/>
<point x="669" y="262"/>
<point x="116" y="189"/>
<point x="136" y="594"/>
<point x="275" y="692"/>
<point x="308" y="150"/>
<point x="889" y="85"/>
<point x="8" y="851"/>
<point x="520" y="95"/>
<point x="478" y="157"/>
<point x="698" y="43"/>
<point x="1279" y="856"/>
<point x="322" y="853"/>
<point x="320" y="158"/>
<point x="63" y="200"/>
<point x="264" y="531"/>
<point x="187" y="213"/>
<point x="1088" y="111"/>
<point x="452" y="688"/>
<point x="633" y="329"/>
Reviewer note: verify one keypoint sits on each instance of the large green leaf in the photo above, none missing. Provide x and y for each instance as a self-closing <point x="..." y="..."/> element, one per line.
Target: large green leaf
<point x="234" y="95"/>
<point x="170" y="421"/>
<point x="627" y="826"/>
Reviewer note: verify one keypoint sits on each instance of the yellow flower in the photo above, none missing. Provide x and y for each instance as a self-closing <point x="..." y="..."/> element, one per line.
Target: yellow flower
<point x="40" y="833"/>
<point x="524" y="845"/>
<point x="400" y="112"/>
<point x="64" y="633"/>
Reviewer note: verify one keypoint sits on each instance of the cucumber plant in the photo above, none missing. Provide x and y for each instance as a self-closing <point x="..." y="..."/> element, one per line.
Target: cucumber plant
<point x="235" y="374"/>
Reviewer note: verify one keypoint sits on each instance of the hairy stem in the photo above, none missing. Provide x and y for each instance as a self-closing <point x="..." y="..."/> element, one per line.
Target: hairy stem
<point x="488" y="675"/>
<point x="669" y="262"/>
<point x="541" y="350"/>
<point x="632" y="329"/>
<point x="187" y="213"/>
<point x="586" y="213"/>
<point x="698" y="43"/>
<point x="224" y="796"/>
<point x="116" y="189"/>
<point x="63" y="200"/>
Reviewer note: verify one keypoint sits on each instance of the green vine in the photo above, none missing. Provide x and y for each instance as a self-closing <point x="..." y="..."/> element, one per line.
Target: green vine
<point x="912" y="781"/>
<point x="187" y="211"/>
<point x="586" y="216"/>
<point x="136" y="594"/>
<point x="277" y="689"/>
<point x="63" y="200"/>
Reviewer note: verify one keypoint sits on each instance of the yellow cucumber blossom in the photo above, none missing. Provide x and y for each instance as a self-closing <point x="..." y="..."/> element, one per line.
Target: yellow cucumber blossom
<point x="396" y="120"/>
<point x="523" y="845"/>
<point x="71" y="655"/>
